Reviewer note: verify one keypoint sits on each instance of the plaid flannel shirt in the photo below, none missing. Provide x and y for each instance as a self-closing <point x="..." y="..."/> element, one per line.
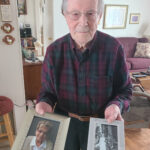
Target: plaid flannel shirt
<point x="86" y="82"/>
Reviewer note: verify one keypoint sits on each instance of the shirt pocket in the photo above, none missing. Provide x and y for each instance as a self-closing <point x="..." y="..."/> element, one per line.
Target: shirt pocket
<point x="100" y="88"/>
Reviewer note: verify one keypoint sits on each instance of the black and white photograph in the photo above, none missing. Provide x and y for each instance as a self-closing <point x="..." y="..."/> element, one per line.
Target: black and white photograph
<point x="47" y="132"/>
<point x="104" y="136"/>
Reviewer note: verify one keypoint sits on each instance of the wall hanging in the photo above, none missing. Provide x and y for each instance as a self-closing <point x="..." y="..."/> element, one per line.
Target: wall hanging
<point x="7" y="28"/>
<point x="8" y="39"/>
<point x="115" y="16"/>
<point x="134" y="18"/>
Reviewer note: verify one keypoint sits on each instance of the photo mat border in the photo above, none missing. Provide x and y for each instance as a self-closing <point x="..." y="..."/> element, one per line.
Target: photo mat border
<point x="120" y="132"/>
<point x="61" y="135"/>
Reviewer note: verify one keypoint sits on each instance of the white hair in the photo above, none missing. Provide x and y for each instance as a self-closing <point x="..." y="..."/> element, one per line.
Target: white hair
<point x="100" y="6"/>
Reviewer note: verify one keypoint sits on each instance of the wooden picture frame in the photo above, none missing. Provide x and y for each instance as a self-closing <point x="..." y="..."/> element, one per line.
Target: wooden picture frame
<point x="56" y="135"/>
<point x="134" y="18"/>
<point x="104" y="135"/>
<point x="22" y="7"/>
<point x="4" y="2"/>
<point x="115" y="16"/>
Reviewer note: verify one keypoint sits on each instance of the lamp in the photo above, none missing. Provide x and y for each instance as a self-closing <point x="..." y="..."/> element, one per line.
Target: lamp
<point x="147" y="33"/>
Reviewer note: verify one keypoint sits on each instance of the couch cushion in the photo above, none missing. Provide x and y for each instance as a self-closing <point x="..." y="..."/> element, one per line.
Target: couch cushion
<point x="128" y="44"/>
<point x="139" y="63"/>
<point x="142" y="50"/>
<point x="128" y="65"/>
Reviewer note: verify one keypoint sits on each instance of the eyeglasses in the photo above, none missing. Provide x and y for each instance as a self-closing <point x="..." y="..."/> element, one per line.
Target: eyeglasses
<point x="75" y="15"/>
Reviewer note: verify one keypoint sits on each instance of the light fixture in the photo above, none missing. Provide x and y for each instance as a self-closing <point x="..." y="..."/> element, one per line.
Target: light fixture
<point x="147" y="33"/>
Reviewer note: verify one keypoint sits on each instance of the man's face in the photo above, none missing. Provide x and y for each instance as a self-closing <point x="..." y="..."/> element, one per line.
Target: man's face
<point x="82" y="19"/>
<point x="41" y="134"/>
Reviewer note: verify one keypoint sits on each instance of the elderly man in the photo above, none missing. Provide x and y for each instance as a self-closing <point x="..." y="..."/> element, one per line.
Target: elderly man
<point x="84" y="73"/>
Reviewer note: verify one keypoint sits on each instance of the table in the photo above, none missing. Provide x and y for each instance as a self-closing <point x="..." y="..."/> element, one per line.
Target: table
<point x="143" y="83"/>
<point x="137" y="139"/>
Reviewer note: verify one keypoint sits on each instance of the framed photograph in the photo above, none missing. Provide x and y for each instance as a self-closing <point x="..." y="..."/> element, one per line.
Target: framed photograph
<point x="134" y="18"/>
<point x="22" y="7"/>
<point x="103" y="136"/>
<point x="115" y="16"/>
<point x="49" y="130"/>
<point x="4" y="2"/>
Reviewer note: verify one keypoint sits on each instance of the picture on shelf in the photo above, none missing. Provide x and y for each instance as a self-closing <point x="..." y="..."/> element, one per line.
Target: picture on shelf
<point x="27" y="43"/>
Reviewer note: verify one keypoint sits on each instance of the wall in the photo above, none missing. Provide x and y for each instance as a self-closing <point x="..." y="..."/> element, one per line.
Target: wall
<point x="135" y="30"/>
<point x="39" y="16"/>
<point x="11" y="71"/>
<point x="29" y="18"/>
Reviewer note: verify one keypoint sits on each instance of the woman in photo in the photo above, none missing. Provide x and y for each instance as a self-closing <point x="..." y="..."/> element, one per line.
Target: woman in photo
<point x="40" y="141"/>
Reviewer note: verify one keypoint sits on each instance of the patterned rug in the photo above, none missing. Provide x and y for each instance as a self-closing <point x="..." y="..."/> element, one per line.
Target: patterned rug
<point x="139" y="110"/>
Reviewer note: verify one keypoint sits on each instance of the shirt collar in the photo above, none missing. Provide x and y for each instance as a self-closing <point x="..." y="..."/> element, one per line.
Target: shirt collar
<point x="89" y="45"/>
<point x="33" y="143"/>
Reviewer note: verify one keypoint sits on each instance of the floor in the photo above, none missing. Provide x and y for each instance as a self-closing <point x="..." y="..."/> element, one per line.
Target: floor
<point x="4" y="146"/>
<point x="139" y="110"/>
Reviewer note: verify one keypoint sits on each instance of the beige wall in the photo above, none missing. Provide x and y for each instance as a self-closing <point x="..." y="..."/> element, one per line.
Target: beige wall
<point x="11" y="72"/>
<point x="134" y="6"/>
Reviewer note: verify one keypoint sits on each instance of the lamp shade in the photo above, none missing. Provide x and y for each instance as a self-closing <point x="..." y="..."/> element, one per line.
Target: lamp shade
<point x="147" y="33"/>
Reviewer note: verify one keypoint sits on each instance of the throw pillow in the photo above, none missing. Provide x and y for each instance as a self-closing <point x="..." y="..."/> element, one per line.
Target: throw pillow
<point x="142" y="50"/>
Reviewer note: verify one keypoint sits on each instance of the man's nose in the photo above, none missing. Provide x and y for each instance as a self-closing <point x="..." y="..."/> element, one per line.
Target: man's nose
<point x="83" y="19"/>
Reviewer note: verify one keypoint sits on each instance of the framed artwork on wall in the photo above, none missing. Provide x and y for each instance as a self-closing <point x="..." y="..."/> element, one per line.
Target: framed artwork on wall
<point x="22" y="7"/>
<point x="4" y="2"/>
<point x="134" y="18"/>
<point x="115" y="16"/>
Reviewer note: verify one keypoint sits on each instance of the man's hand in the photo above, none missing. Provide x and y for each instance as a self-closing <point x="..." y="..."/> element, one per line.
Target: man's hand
<point x="43" y="107"/>
<point x="112" y="113"/>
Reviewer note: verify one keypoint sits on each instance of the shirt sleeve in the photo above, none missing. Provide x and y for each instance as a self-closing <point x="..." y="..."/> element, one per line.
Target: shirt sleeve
<point x="122" y="86"/>
<point x="47" y="93"/>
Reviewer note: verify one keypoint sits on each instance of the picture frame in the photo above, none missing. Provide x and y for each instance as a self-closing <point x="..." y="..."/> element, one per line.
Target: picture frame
<point x="134" y="18"/>
<point x="22" y="7"/>
<point x="104" y="135"/>
<point x="56" y="135"/>
<point x="4" y="2"/>
<point x="115" y="16"/>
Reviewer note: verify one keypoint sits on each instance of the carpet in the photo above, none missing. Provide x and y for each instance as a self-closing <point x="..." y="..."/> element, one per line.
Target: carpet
<point x="139" y="110"/>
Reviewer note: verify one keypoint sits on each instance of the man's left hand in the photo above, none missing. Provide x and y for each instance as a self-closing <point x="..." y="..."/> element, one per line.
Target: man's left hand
<point x="112" y="113"/>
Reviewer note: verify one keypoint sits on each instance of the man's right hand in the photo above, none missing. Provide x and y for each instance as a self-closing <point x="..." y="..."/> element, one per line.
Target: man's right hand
<point x="42" y="107"/>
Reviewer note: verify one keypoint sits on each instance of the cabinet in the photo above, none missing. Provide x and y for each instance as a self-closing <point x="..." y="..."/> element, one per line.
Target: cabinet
<point x="32" y="79"/>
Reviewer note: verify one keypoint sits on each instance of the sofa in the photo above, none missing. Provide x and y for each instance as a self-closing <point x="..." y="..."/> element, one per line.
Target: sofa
<point x="134" y="63"/>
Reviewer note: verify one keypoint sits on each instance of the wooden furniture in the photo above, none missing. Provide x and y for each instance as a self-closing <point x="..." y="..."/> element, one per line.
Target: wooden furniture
<point x="137" y="139"/>
<point x="32" y="79"/>
<point x="8" y="135"/>
<point x="143" y="83"/>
